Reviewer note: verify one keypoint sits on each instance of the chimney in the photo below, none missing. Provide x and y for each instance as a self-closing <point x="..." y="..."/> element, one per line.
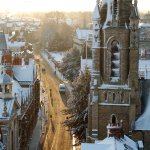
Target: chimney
<point x="115" y="128"/>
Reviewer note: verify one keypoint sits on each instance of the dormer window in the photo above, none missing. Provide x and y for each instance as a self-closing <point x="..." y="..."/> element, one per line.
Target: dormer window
<point x="6" y="89"/>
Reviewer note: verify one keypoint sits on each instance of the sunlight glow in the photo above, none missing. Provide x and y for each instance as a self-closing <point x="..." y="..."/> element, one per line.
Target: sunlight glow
<point x="57" y="5"/>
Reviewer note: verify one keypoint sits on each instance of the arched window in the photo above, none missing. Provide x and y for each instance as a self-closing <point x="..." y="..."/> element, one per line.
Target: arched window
<point x="114" y="96"/>
<point x="105" y="96"/>
<point x="113" y="120"/>
<point x="115" y="61"/>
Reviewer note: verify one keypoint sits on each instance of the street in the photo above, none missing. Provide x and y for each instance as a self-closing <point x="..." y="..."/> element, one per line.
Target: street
<point x="56" y="136"/>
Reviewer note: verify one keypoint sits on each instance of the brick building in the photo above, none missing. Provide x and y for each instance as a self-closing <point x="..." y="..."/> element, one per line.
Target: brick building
<point x="114" y="86"/>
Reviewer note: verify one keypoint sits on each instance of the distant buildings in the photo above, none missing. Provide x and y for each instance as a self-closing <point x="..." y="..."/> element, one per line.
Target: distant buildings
<point x="19" y="96"/>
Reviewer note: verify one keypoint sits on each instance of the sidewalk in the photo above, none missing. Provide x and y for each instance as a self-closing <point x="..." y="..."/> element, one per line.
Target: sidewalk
<point x="55" y="69"/>
<point x="39" y="131"/>
<point x="33" y="145"/>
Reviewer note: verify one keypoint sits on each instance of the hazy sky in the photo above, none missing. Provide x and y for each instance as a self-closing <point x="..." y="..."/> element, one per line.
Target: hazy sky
<point x="59" y="5"/>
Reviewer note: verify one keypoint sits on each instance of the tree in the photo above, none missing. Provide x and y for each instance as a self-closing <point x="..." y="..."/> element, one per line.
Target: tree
<point x="77" y="110"/>
<point x="71" y="64"/>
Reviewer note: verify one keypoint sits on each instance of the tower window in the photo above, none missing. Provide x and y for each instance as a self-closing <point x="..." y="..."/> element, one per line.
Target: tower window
<point x="113" y="119"/>
<point x="115" y="7"/>
<point x="115" y="61"/>
<point x="114" y="96"/>
<point x="122" y="97"/>
<point x="105" y="96"/>
<point x="1" y="88"/>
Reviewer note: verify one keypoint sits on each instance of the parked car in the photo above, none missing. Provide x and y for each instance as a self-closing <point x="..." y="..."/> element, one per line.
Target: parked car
<point x="62" y="88"/>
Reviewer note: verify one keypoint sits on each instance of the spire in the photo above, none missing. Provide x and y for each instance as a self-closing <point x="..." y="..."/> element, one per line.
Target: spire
<point x="97" y="2"/>
<point x="96" y="14"/>
<point x="134" y="11"/>
<point x="5" y="113"/>
<point x="135" y="3"/>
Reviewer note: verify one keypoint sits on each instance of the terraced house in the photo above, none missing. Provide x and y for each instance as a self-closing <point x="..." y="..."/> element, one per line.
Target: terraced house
<point x="19" y="96"/>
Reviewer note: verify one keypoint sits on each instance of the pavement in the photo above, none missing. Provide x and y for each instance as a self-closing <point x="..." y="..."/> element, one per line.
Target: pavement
<point x="40" y="127"/>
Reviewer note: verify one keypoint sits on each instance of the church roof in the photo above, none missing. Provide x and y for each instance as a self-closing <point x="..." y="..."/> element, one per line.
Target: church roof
<point x="4" y="78"/>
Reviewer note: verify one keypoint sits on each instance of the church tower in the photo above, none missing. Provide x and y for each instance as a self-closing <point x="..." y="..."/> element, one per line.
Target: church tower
<point x="114" y="85"/>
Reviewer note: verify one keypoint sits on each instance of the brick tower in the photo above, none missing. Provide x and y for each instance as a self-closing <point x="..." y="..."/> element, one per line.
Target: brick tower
<point x="114" y="85"/>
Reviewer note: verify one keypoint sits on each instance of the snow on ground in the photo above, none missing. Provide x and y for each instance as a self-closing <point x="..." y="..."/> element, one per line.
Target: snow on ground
<point x="57" y="56"/>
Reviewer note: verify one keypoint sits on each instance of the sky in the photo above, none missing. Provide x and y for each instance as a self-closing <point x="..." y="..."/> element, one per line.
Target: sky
<point x="57" y="5"/>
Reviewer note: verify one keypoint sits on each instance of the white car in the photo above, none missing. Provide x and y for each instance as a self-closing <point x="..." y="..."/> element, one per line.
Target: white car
<point x="62" y="88"/>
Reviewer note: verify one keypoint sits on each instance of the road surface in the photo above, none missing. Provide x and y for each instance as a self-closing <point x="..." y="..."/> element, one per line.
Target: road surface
<point x="57" y="137"/>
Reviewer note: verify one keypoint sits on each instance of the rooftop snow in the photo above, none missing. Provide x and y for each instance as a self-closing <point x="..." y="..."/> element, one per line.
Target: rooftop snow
<point x="25" y="72"/>
<point x="144" y="68"/>
<point x="111" y="143"/>
<point x="144" y="25"/>
<point x="83" y="34"/>
<point x="108" y="86"/>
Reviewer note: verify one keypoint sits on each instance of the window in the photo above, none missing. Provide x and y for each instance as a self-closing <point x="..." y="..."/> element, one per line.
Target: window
<point x="1" y="90"/>
<point x="115" y="61"/>
<point x="115" y="8"/>
<point x="105" y="96"/>
<point x="6" y="89"/>
<point x="114" y="96"/>
<point x="122" y="97"/>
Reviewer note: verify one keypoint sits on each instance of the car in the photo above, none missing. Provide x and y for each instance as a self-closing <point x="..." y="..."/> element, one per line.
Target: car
<point x="62" y="88"/>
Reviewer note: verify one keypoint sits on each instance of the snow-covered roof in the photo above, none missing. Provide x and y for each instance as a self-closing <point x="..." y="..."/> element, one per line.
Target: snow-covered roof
<point x="144" y="69"/>
<point x="147" y="25"/>
<point x="83" y="34"/>
<point x="109" y="86"/>
<point x="4" y="78"/>
<point x="25" y="72"/>
<point x="58" y="56"/>
<point x="111" y="143"/>
<point x="15" y="45"/>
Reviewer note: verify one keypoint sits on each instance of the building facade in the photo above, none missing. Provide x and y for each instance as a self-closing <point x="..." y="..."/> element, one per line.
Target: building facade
<point x="114" y="86"/>
<point x="19" y="97"/>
